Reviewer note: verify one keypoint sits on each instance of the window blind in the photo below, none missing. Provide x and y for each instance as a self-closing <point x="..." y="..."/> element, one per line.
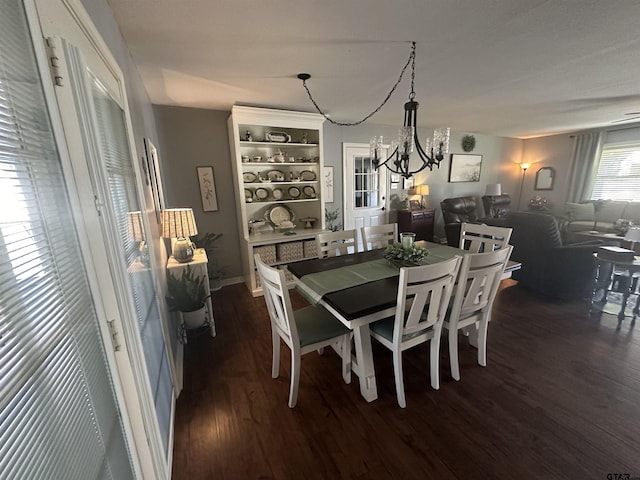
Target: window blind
<point x="618" y="175"/>
<point x="58" y="413"/>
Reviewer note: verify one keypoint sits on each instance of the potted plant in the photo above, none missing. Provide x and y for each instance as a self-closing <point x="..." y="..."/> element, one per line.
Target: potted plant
<point x="207" y="241"/>
<point x="187" y="295"/>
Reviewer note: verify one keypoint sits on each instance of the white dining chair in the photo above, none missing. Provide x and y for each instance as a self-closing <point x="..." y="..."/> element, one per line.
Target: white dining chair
<point x="477" y="238"/>
<point x="305" y="330"/>
<point x="342" y="242"/>
<point x="423" y="296"/>
<point x="477" y="286"/>
<point x="379" y="236"/>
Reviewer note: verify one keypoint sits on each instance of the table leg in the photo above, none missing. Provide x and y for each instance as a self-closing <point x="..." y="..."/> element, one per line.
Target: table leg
<point x="362" y="364"/>
<point x="212" y="325"/>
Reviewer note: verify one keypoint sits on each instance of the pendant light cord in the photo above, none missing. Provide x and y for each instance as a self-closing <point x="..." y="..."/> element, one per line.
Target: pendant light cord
<point x="305" y="76"/>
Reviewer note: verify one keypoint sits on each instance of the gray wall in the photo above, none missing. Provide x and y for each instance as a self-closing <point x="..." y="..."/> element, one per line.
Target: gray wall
<point x="190" y="138"/>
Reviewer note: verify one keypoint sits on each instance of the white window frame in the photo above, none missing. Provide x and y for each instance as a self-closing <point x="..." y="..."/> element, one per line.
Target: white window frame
<point x="615" y="164"/>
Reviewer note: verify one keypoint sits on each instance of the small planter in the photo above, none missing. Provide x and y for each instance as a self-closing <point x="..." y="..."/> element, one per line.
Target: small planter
<point x="195" y="318"/>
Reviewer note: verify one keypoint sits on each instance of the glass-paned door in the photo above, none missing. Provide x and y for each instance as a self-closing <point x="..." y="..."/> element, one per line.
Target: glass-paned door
<point x="364" y="188"/>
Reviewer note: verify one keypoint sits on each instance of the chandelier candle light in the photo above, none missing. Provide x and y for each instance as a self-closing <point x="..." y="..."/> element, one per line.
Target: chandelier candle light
<point x="179" y="224"/>
<point x="399" y="161"/>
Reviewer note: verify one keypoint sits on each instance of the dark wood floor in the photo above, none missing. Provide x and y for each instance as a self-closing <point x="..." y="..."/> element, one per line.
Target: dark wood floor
<point x="559" y="399"/>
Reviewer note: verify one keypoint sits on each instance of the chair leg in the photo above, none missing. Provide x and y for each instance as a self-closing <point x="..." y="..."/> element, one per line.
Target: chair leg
<point x="275" y="361"/>
<point x="483" y="329"/>
<point x="296" y="359"/>
<point x="397" y="371"/>
<point x="435" y="361"/>
<point x="345" y="348"/>
<point x="453" y="354"/>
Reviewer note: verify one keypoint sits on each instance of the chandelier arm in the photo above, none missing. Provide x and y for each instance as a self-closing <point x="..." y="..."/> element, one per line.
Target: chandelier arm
<point x="304" y="77"/>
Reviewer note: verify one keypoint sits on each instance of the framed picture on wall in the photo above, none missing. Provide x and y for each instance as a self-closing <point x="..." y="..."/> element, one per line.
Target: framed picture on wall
<point x="154" y="180"/>
<point x="327" y="184"/>
<point x="465" y="168"/>
<point x="408" y="183"/>
<point x="207" y="189"/>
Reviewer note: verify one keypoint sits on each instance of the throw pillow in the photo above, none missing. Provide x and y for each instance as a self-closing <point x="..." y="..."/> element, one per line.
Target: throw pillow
<point x="580" y="211"/>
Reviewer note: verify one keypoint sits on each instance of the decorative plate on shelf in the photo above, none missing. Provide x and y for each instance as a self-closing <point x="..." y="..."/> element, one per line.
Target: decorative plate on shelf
<point x="307" y="176"/>
<point x="262" y="194"/>
<point x="278" y="193"/>
<point x="309" y="191"/>
<point x="294" y="192"/>
<point x="248" y="195"/>
<point x="249" y="177"/>
<point x="275" y="175"/>
<point x="279" y="137"/>
<point x="277" y="214"/>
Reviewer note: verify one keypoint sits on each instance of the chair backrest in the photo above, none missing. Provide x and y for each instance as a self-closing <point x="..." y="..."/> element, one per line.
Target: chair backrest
<point x="423" y="296"/>
<point x="276" y="296"/>
<point x="483" y="238"/>
<point x="478" y="282"/>
<point x="459" y="209"/>
<point x="496" y="206"/>
<point x="331" y="244"/>
<point x="379" y="236"/>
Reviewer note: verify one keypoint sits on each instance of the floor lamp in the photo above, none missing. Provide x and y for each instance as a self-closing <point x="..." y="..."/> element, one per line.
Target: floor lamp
<point x="524" y="167"/>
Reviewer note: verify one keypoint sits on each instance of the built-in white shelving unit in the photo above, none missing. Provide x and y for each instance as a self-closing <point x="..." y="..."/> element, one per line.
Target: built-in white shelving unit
<point x="277" y="167"/>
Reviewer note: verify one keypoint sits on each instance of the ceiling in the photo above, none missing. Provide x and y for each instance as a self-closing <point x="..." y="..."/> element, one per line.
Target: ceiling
<point x="516" y="68"/>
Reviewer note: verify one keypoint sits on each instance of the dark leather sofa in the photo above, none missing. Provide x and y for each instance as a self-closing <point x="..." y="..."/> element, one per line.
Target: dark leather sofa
<point x="555" y="270"/>
<point x="455" y="212"/>
<point x="496" y="206"/>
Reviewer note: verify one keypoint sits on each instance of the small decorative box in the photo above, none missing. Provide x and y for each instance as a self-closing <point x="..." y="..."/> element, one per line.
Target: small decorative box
<point x="310" y="249"/>
<point x="267" y="253"/>
<point x="289" y="252"/>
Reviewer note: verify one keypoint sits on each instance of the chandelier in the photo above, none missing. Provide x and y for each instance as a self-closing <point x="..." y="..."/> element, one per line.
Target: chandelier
<point x="399" y="161"/>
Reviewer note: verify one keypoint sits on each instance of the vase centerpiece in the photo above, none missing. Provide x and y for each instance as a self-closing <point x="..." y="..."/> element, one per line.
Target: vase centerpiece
<point x="405" y="255"/>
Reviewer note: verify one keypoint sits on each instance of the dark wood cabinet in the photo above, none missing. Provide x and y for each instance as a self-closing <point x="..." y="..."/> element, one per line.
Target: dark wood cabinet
<point x="419" y="222"/>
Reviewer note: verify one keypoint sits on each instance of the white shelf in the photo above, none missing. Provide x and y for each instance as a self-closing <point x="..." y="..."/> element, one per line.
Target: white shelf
<point x="297" y="125"/>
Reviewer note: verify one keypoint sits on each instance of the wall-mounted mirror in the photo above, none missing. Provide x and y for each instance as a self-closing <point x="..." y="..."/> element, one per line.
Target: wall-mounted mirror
<point x="544" y="178"/>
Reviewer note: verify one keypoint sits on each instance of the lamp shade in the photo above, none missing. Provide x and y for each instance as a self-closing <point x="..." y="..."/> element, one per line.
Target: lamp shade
<point x="422" y="190"/>
<point x="134" y="226"/>
<point x="494" y="189"/>
<point x="178" y="223"/>
<point x="633" y="234"/>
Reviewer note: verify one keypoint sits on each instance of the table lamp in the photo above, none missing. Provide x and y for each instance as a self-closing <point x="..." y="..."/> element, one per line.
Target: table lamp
<point x="136" y="234"/>
<point x="179" y="224"/>
<point x="633" y="236"/>
<point x="422" y="190"/>
<point x="493" y="189"/>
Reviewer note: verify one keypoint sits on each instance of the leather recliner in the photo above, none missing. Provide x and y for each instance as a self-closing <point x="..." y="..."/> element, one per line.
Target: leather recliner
<point x="555" y="270"/>
<point x="455" y="212"/>
<point x="496" y="206"/>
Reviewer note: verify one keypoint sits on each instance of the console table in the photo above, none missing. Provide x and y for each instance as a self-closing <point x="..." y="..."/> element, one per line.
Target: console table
<point x="419" y="222"/>
<point x="199" y="266"/>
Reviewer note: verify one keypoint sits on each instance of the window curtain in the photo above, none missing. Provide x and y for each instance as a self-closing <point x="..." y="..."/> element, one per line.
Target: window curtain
<point x="584" y="165"/>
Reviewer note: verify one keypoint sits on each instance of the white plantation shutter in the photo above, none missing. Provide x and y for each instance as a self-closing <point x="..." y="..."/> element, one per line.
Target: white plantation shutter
<point x="116" y="159"/>
<point x="58" y="415"/>
<point x="618" y="176"/>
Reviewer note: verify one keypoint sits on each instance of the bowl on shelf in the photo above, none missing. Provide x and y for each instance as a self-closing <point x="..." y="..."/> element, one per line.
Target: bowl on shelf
<point x="286" y="227"/>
